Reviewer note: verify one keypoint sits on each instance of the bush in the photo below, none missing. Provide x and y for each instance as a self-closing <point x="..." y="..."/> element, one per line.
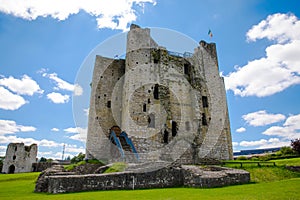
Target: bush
<point x="80" y="157"/>
<point x="296" y="145"/>
<point x="43" y="159"/>
<point x="241" y="158"/>
<point x="254" y="159"/>
<point x="286" y="151"/>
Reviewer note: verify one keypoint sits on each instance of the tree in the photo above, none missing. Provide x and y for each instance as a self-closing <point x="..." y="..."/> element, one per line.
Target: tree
<point x="68" y="158"/>
<point x="296" y="145"/>
<point x="286" y="151"/>
<point x="78" y="158"/>
<point x="43" y="159"/>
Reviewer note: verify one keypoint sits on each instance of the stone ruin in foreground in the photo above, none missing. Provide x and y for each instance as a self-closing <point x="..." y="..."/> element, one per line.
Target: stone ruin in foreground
<point x="139" y="176"/>
<point x="162" y="113"/>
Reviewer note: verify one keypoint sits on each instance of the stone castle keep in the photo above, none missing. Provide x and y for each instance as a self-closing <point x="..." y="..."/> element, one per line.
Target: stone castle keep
<point x="157" y="105"/>
<point x="157" y="111"/>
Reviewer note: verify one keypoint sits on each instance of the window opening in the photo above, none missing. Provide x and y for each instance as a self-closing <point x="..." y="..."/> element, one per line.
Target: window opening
<point x="151" y="120"/>
<point x="155" y="92"/>
<point x="11" y="169"/>
<point x="204" y="122"/>
<point x="174" y="128"/>
<point x="109" y="104"/>
<point x="186" y="69"/>
<point x="204" y="102"/>
<point x="166" y="137"/>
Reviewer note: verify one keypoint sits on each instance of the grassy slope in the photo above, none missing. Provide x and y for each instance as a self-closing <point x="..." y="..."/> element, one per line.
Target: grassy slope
<point x="267" y="173"/>
<point x="21" y="186"/>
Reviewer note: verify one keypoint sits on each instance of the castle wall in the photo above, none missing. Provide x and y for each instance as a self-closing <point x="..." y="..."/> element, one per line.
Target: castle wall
<point x="216" y="137"/>
<point x="107" y="73"/>
<point x="170" y="106"/>
<point x="19" y="158"/>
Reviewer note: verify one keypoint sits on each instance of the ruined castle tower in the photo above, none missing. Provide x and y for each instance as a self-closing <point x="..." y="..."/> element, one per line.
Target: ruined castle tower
<point x="19" y="158"/>
<point x="158" y="105"/>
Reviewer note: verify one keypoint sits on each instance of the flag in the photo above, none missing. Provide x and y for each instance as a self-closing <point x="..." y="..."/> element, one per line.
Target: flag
<point x="210" y="33"/>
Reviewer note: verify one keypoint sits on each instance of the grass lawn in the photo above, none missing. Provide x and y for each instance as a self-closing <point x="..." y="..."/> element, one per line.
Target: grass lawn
<point x="280" y="184"/>
<point x="269" y="173"/>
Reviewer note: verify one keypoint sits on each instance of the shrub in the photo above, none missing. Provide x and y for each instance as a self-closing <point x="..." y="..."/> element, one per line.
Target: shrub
<point x="286" y="151"/>
<point x="78" y="158"/>
<point x="296" y="145"/>
<point x="241" y="158"/>
<point x="255" y="159"/>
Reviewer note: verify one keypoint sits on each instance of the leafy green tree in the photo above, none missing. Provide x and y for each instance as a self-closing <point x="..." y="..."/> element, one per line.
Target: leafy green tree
<point x="78" y="158"/>
<point x="68" y="158"/>
<point x="43" y="159"/>
<point x="286" y="151"/>
<point x="296" y="145"/>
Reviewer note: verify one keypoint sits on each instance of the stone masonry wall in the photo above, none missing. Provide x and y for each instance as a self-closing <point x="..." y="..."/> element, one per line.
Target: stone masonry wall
<point x="19" y="158"/>
<point x="187" y="119"/>
<point x="171" y="176"/>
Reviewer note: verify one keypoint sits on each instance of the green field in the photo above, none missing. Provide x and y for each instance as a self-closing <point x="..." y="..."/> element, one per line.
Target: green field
<point x="267" y="183"/>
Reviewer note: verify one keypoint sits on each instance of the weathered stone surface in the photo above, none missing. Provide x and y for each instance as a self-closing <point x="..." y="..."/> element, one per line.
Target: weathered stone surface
<point x="41" y="166"/>
<point x="43" y="182"/>
<point x="172" y="105"/>
<point x="19" y="158"/>
<point x="136" y="177"/>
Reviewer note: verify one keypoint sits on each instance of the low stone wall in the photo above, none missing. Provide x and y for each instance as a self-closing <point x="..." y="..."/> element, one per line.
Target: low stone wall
<point x="41" y="166"/>
<point x="115" y="181"/>
<point x="210" y="177"/>
<point x="171" y="176"/>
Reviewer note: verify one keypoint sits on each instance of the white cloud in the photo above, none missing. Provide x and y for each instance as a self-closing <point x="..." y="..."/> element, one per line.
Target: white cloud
<point x="74" y="149"/>
<point x="240" y="130"/>
<point x="81" y="133"/>
<point x="262" y="118"/>
<point x="10" y="127"/>
<point x="114" y="14"/>
<point x="78" y="90"/>
<point x="58" y="98"/>
<point x="86" y="111"/>
<point x="253" y="143"/>
<point x="64" y="85"/>
<point x="55" y="129"/>
<point x="290" y="129"/>
<point x="71" y="130"/>
<point x="24" y="86"/>
<point x="44" y="154"/>
<point x="263" y="143"/>
<point x="2" y="150"/>
<point x="285" y="133"/>
<point x="234" y="144"/>
<point x="10" y="101"/>
<point x="279" y="69"/>
<point x="60" y="84"/>
<point x="279" y="27"/>
<point x="28" y="141"/>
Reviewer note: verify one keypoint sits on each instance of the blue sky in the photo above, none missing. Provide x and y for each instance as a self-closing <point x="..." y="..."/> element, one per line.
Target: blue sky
<point x="44" y="43"/>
